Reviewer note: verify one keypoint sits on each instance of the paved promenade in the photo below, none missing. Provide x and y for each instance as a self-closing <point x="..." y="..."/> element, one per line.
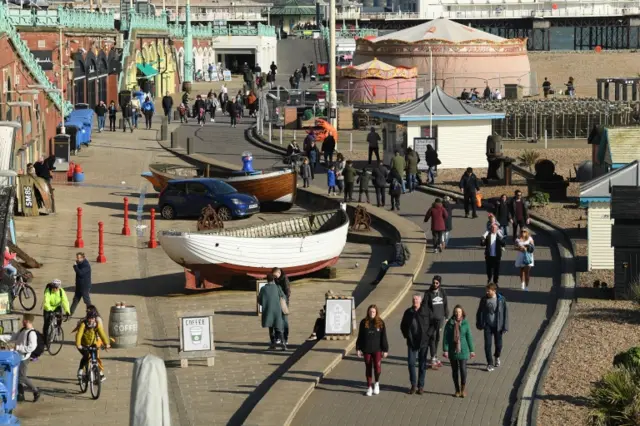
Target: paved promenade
<point x="340" y="399"/>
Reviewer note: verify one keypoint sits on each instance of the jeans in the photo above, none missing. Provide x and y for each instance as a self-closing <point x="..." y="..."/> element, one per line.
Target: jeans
<point x="11" y="270"/>
<point x="328" y="159"/>
<point x="305" y="182"/>
<point x="421" y="355"/>
<point x="373" y="365"/>
<point x="134" y="120"/>
<point x="23" y="380"/>
<point x="497" y="337"/>
<point x="374" y="150"/>
<point x="167" y="113"/>
<point x="127" y="121"/>
<point x="503" y="228"/>
<point x="517" y="224"/>
<point x="395" y="202"/>
<point x="470" y="200"/>
<point x="459" y="373"/>
<point x="380" y="195"/>
<point x="438" y="238"/>
<point x="412" y="182"/>
<point x="340" y="185"/>
<point x="493" y="267"/>
<point x="147" y="119"/>
<point x="112" y="123"/>
<point x="80" y="294"/>
<point x="348" y="191"/>
<point x="101" y="119"/>
<point x="447" y="234"/>
<point x="234" y="119"/>
<point x="431" y="175"/>
<point x="434" y="339"/>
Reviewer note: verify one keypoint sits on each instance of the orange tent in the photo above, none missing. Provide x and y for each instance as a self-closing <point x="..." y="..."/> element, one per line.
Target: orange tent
<point x="323" y="129"/>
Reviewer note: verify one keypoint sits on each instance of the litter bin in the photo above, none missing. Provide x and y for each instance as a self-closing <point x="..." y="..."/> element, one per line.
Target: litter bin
<point x="9" y="364"/>
<point x="71" y="129"/>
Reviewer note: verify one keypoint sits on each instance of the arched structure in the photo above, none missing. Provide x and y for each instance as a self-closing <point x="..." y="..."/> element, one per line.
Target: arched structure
<point x="79" y="79"/>
<point x="375" y="82"/>
<point x="463" y="57"/>
<point x="180" y="54"/>
<point x="103" y="73"/>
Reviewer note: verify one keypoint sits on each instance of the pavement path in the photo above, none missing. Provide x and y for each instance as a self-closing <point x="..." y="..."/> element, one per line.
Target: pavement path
<point x="339" y="398"/>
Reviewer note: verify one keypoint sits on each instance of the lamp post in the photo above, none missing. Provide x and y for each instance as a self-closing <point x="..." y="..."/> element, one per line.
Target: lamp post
<point x="431" y="92"/>
<point x="333" y="105"/>
<point x="60" y="55"/>
<point x="188" y="44"/>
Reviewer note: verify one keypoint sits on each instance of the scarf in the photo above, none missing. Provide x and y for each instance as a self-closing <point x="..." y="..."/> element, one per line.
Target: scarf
<point x="456" y="335"/>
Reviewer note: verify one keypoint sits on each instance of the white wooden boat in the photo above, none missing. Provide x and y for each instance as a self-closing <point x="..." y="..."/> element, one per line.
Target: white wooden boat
<point x="298" y="245"/>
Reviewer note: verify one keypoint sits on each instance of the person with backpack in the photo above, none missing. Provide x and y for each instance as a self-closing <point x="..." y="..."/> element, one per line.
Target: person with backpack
<point x="91" y="309"/>
<point x="55" y="303"/>
<point x="436" y="299"/>
<point x="90" y="332"/>
<point x="395" y="190"/>
<point x="29" y="344"/>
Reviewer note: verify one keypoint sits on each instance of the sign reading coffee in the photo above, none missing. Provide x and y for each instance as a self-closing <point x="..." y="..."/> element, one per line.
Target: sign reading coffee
<point x="44" y="58"/>
<point x="196" y="334"/>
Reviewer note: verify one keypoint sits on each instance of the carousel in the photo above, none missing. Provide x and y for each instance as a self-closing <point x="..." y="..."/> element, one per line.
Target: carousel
<point x="376" y="82"/>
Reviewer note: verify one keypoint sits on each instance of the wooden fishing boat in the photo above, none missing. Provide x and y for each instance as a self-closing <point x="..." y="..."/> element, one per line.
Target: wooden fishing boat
<point x="299" y="245"/>
<point x="271" y="185"/>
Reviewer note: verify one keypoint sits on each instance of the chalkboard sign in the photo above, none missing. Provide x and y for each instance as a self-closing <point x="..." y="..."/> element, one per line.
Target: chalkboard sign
<point x="7" y="195"/>
<point x="420" y="146"/>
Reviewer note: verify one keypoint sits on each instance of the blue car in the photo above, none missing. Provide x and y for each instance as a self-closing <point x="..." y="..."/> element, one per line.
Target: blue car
<point x="187" y="197"/>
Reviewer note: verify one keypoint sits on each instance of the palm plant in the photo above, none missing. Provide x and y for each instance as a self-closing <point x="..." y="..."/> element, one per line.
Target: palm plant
<point x="529" y="158"/>
<point x="615" y="399"/>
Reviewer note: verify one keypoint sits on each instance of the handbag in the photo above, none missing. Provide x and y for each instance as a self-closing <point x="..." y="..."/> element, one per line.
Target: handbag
<point x="283" y="306"/>
<point x="528" y="258"/>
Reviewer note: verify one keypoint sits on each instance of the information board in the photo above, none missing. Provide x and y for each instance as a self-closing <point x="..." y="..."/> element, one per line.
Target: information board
<point x="227" y="75"/>
<point x="420" y="146"/>
<point x="339" y="316"/>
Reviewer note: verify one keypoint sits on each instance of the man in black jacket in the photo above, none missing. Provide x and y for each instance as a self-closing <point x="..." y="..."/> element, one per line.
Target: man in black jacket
<point x="328" y="148"/>
<point x="415" y="327"/>
<point x="502" y="214"/>
<point x="379" y="175"/>
<point x="519" y="213"/>
<point x="469" y="185"/>
<point x="167" y="105"/>
<point x="436" y="299"/>
<point x="282" y="281"/>
<point x="127" y="114"/>
<point x="83" y="282"/>
<point x="492" y="317"/>
<point x="493" y="243"/>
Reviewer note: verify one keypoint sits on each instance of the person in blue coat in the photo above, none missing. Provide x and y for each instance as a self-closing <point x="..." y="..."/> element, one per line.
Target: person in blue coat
<point x="331" y="180"/>
<point x="148" y="109"/>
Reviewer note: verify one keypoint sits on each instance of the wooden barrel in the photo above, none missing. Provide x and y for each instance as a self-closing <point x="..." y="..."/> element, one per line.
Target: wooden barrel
<point x="123" y="327"/>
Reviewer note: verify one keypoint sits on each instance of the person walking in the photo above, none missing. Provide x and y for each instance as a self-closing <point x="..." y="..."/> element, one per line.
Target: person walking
<point x="252" y="102"/>
<point x="438" y="216"/>
<point x="269" y="299"/>
<point x="135" y="112"/>
<point x="274" y="68"/>
<point x="101" y="113"/>
<point x="373" y="140"/>
<point x="379" y="175"/>
<point x="493" y="242"/>
<point x="231" y="109"/>
<point x="448" y="203"/>
<point x="112" y="110"/>
<point x="349" y="174"/>
<point x="313" y="156"/>
<point x="469" y="185"/>
<point x="415" y="328"/>
<point x="372" y="344"/>
<point x="524" y="260"/>
<point x="502" y="213"/>
<point x="331" y="180"/>
<point x="457" y="345"/>
<point x="364" y="177"/>
<point x="148" y="109"/>
<point x="432" y="160"/>
<point x="398" y="167"/>
<point x="199" y="110"/>
<point x="303" y="71"/>
<point x="395" y="191"/>
<point x="493" y="318"/>
<point x="328" y="149"/>
<point x="26" y="345"/>
<point x="82" y="268"/>
<point x="519" y="213"/>
<point x="436" y="299"/>
<point x="546" y="87"/>
<point x="282" y="281"/>
<point x="167" y="106"/>
<point x="213" y="105"/>
<point x="305" y="172"/>
<point x="340" y="165"/>
<point x="412" y="159"/>
<point x="127" y="117"/>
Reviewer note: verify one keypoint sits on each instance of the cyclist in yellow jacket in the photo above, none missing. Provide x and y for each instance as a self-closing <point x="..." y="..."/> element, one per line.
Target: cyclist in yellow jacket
<point x="55" y="302"/>
<point x="90" y="332"/>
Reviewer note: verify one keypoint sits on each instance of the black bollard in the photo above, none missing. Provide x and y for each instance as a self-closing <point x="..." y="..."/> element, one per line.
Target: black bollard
<point x="190" y="147"/>
<point x="164" y="129"/>
<point x="174" y="140"/>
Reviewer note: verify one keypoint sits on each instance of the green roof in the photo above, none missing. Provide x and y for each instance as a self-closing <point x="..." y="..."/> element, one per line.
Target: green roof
<point x="147" y="70"/>
<point x="293" y="8"/>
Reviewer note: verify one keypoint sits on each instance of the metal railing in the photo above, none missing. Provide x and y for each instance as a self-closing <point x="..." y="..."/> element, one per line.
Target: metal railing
<point x="233" y="15"/>
<point x="60" y="17"/>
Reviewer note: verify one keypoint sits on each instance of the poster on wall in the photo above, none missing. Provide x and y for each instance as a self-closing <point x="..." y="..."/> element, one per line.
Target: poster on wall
<point x="420" y="146"/>
<point x="214" y="73"/>
<point x="44" y="58"/>
<point x="227" y="75"/>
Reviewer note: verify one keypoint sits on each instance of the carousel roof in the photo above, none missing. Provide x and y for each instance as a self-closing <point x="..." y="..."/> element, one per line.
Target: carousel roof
<point x="293" y="8"/>
<point x="441" y="29"/>
<point x="378" y="69"/>
<point x="445" y="107"/>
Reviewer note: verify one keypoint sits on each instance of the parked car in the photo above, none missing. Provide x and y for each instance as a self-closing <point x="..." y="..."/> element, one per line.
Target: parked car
<point x="187" y="197"/>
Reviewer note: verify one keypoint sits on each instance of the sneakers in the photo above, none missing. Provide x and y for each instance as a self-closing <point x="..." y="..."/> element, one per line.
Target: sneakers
<point x="376" y="388"/>
<point x="497" y="362"/>
<point x="36" y="396"/>
<point x="420" y="391"/>
<point x="102" y="377"/>
<point x="490" y="367"/>
<point x="370" y="391"/>
<point x="523" y="285"/>
<point x="312" y="337"/>
<point x="80" y="374"/>
<point x="435" y="364"/>
<point x="272" y="346"/>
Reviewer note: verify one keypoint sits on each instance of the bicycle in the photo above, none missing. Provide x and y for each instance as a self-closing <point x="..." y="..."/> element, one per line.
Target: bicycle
<point x="24" y="292"/>
<point x="91" y="375"/>
<point x="55" y="335"/>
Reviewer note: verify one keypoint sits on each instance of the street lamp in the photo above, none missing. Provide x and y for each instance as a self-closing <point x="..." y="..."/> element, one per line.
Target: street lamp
<point x="333" y="105"/>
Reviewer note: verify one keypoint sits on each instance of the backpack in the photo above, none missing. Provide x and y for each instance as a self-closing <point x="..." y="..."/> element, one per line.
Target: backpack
<point x="39" y="347"/>
<point x="396" y="187"/>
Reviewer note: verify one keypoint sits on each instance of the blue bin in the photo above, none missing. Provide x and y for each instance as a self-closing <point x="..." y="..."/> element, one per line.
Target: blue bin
<point x="9" y="363"/>
<point x="77" y="177"/>
<point x="86" y="117"/>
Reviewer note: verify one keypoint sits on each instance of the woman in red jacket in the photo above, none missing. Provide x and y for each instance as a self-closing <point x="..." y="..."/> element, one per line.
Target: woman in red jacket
<point x="438" y="215"/>
<point x="8" y="257"/>
<point x="373" y="345"/>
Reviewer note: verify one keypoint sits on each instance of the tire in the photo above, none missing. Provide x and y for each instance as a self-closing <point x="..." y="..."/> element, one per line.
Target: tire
<point x="57" y="338"/>
<point x="84" y="383"/>
<point x="94" y="383"/>
<point x="168" y="212"/>
<point x="224" y="213"/>
<point x="27" y="297"/>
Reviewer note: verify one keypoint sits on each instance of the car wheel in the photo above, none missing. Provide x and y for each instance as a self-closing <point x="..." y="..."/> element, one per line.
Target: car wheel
<point x="224" y="213"/>
<point x="167" y="212"/>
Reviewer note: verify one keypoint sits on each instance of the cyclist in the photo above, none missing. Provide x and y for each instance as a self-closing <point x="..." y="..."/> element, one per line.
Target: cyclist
<point x="8" y="257"/>
<point x="55" y="303"/>
<point x="91" y="310"/>
<point x="90" y="333"/>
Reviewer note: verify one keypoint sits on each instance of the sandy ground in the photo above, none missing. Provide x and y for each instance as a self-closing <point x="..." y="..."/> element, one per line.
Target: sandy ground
<point x="583" y="67"/>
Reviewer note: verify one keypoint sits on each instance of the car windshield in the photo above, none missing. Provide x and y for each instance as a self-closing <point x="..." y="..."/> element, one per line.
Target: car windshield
<point x="222" y="188"/>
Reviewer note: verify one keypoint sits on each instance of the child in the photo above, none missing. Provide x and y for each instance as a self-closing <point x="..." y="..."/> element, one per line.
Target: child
<point x="182" y="111"/>
<point x="395" y="190"/>
<point x="90" y="333"/>
<point x="305" y="171"/>
<point x="491" y="221"/>
<point x="363" y="179"/>
<point x="331" y="179"/>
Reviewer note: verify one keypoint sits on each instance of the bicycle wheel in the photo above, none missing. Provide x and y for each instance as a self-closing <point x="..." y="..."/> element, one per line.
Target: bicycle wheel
<point x="95" y="383"/>
<point x="56" y="337"/>
<point x="27" y="297"/>
<point x="84" y="382"/>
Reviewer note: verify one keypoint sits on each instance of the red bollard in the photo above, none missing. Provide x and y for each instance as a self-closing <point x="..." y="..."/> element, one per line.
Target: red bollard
<point x="101" y="258"/>
<point x="152" y="233"/>
<point x="125" y="227"/>
<point x="79" y="242"/>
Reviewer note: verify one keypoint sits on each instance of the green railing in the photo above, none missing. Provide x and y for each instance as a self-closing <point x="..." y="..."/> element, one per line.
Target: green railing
<point x="266" y="30"/>
<point x="201" y="31"/>
<point x="176" y="30"/>
<point x="67" y="18"/>
<point x="347" y="33"/>
<point x="208" y="31"/>
<point x="30" y="61"/>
